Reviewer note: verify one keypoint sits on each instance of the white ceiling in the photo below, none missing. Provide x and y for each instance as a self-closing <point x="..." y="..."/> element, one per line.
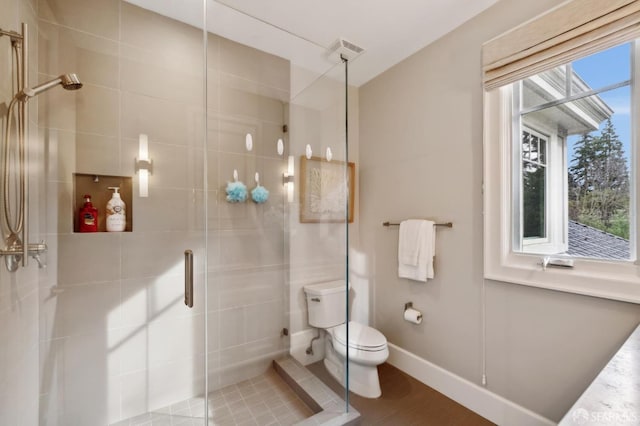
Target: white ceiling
<point x="303" y="30"/>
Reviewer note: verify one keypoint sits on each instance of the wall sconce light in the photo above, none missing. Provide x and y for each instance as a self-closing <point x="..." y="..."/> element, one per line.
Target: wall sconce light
<point x="288" y="179"/>
<point x="144" y="165"/>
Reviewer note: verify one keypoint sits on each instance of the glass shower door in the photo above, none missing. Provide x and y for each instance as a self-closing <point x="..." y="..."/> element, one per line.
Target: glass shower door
<point x="117" y="341"/>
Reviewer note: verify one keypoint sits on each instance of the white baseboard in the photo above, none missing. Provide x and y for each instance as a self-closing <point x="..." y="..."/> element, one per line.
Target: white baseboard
<point x="299" y="344"/>
<point x="476" y="398"/>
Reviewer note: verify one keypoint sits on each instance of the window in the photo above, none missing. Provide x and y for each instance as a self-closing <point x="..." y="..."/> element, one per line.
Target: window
<point x="574" y="149"/>
<point x="559" y="152"/>
<point x="534" y="186"/>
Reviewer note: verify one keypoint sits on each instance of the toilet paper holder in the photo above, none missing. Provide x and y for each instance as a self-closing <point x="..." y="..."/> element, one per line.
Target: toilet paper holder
<point x="414" y="316"/>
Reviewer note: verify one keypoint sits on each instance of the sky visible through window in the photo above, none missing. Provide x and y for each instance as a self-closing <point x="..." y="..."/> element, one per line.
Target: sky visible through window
<point x="602" y="69"/>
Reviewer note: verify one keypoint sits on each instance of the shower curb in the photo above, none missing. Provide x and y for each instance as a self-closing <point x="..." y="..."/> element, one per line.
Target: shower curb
<point x="324" y="402"/>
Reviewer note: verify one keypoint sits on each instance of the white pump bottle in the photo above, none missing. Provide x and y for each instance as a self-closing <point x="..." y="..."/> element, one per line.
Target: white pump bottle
<point x="116" y="212"/>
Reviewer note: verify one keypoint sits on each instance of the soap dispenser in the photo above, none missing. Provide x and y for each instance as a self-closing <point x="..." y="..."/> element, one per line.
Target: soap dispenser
<point x="116" y="212"/>
<point x="88" y="216"/>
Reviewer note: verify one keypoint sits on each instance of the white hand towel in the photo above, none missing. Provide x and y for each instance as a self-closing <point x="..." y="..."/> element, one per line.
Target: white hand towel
<point x="408" y="241"/>
<point x="426" y="237"/>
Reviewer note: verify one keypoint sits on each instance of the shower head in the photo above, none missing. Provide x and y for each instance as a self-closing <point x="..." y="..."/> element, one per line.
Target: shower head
<point x="68" y="82"/>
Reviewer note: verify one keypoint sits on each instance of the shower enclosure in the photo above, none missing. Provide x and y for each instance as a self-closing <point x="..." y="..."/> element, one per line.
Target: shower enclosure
<point x="171" y="110"/>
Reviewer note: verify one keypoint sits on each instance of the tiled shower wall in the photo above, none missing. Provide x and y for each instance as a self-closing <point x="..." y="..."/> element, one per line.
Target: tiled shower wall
<point x="115" y="337"/>
<point x="318" y="250"/>
<point x="19" y="290"/>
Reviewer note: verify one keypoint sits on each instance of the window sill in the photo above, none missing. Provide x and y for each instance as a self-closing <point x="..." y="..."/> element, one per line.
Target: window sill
<point x="609" y="280"/>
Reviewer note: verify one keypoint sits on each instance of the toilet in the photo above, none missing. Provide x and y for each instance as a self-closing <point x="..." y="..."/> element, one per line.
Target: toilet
<point x="326" y="303"/>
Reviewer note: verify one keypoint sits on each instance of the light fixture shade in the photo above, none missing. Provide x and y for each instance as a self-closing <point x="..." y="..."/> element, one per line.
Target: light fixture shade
<point x="143" y="164"/>
<point x="289" y="178"/>
<point x="290" y="166"/>
<point x="143" y="182"/>
<point x="143" y="147"/>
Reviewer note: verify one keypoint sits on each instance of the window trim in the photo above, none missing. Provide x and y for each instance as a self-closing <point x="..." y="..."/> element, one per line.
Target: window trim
<point x="617" y="280"/>
<point x="556" y="193"/>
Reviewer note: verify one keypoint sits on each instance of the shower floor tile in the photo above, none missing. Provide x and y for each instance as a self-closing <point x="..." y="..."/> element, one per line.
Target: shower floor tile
<point x="264" y="400"/>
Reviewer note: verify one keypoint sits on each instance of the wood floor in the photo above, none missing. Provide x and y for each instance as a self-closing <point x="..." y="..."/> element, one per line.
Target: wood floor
<point x="404" y="401"/>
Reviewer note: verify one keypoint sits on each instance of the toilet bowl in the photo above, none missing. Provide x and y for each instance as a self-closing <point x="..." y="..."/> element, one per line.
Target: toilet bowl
<point x="364" y="346"/>
<point x="367" y="348"/>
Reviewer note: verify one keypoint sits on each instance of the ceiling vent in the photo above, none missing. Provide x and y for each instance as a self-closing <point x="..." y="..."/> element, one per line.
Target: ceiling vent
<point x="344" y="49"/>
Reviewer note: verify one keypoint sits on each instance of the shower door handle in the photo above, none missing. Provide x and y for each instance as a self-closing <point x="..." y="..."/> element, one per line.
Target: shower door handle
<point x="188" y="278"/>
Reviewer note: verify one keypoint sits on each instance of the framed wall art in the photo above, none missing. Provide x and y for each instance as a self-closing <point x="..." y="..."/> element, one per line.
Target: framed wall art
<point x="324" y="190"/>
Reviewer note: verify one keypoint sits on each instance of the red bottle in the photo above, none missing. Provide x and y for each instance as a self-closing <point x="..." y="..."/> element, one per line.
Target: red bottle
<point x="88" y="216"/>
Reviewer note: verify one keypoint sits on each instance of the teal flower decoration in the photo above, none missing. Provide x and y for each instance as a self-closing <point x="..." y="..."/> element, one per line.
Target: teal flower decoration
<point x="259" y="194"/>
<point x="236" y="192"/>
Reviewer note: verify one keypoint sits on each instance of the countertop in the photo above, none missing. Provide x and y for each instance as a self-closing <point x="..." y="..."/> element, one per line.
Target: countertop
<point x="613" y="398"/>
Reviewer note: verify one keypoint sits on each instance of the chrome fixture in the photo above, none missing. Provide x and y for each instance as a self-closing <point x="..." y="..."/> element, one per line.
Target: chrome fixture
<point x="68" y="82"/>
<point x="288" y="178"/>
<point x="15" y="218"/>
<point x="188" y="278"/>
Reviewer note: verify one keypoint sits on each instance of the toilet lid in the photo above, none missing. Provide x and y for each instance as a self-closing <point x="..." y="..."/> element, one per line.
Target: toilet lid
<point x="360" y="336"/>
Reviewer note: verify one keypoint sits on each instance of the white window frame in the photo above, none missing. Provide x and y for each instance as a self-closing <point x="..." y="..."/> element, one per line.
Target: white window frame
<point x="618" y="280"/>
<point x="556" y="193"/>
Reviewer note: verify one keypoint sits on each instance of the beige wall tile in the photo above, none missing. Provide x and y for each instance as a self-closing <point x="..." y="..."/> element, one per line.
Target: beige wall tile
<point x="147" y="254"/>
<point x="88" y="257"/>
<point x="249" y="355"/>
<point x="272" y="320"/>
<point x="146" y="390"/>
<point x="99" y="17"/>
<point x="91" y="394"/>
<point x="253" y="87"/>
<point x="60" y="148"/>
<point x="91" y="109"/>
<point x="59" y="217"/>
<point x="233" y="132"/>
<point x="238" y="102"/>
<point x="213" y="51"/>
<point x="162" y="120"/>
<point x="166" y="209"/>
<point x="271" y="132"/>
<point x="63" y="50"/>
<point x="146" y="77"/>
<point x="81" y="309"/>
<point x="231" y="327"/>
<point x="97" y="154"/>
<point x="271" y="176"/>
<point x="9" y="15"/>
<point x="176" y="45"/>
<point x="254" y="65"/>
<point x="251" y="247"/>
<point x="160" y="342"/>
<point x="249" y="288"/>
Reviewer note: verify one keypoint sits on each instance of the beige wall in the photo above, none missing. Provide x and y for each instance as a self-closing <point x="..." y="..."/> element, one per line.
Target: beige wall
<point x="116" y="337"/>
<point x="422" y="123"/>
<point x="19" y="290"/>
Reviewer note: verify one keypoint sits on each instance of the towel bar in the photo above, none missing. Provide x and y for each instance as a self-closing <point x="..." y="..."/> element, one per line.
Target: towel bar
<point x="446" y="225"/>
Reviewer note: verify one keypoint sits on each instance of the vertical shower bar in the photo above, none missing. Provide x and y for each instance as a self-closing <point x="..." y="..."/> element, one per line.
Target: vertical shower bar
<point x="25" y="151"/>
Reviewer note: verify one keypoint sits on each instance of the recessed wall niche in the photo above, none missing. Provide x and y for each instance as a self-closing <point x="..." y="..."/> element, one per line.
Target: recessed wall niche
<point x="98" y="187"/>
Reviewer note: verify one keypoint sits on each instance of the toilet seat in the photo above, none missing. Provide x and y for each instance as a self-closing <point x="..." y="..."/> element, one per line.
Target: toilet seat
<point x="361" y="337"/>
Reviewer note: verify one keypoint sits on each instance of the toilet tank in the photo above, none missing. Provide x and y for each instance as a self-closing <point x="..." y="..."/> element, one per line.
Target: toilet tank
<point x="326" y="303"/>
